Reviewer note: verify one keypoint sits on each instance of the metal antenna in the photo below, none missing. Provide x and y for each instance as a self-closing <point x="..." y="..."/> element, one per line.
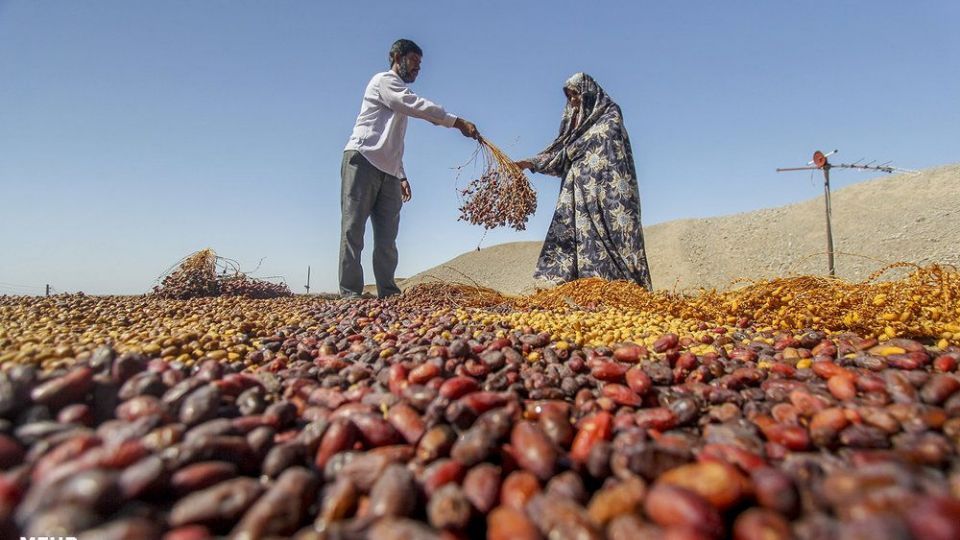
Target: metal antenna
<point x="820" y="162"/>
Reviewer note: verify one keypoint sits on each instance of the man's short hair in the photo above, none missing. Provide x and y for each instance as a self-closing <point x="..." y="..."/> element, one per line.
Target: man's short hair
<point x="402" y="47"/>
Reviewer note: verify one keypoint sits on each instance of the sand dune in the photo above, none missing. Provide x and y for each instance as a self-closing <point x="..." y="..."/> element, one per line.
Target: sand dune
<point x="905" y="217"/>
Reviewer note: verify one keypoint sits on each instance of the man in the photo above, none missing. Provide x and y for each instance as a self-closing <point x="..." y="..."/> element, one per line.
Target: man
<point x="373" y="182"/>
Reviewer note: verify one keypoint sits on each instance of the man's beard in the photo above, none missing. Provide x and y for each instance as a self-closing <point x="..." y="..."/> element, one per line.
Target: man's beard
<point x="404" y="73"/>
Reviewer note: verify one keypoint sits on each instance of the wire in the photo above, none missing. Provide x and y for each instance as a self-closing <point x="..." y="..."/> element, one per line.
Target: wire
<point x="15" y="292"/>
<point x="17" y="286"/>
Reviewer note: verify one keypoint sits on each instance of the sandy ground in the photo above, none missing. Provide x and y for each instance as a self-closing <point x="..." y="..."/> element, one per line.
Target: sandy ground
<point x="905" y="217"/>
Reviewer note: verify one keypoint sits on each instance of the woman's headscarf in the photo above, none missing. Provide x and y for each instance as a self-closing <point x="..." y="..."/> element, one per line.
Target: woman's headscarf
<point x="594" y="103"/>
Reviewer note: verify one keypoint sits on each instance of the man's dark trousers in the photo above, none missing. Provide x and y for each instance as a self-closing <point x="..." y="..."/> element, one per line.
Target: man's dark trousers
<point x="368" y="192"/>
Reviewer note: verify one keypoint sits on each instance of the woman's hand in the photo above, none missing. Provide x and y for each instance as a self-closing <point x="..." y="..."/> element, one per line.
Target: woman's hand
<point x="405" y="193"/>
<point x="524" y="164"/>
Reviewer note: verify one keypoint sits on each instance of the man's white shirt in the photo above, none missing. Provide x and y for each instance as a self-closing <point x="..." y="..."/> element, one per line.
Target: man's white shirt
<point x="382" y="122"/>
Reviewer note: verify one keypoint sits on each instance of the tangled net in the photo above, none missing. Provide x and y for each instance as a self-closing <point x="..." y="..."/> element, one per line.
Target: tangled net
<point x="197" y="277"/>
<point x="501" y="196"/>
<point x="924" y="304"/>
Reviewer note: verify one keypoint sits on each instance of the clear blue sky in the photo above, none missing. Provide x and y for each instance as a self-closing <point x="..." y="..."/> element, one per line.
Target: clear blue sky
<point x="133" y="133"/>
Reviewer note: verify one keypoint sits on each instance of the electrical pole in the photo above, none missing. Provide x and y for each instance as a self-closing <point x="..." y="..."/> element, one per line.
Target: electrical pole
<point x="48" y="289"/>
<point x="308" y="279"/>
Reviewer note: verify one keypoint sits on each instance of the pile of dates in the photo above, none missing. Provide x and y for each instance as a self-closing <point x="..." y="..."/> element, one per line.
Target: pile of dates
<point x="382" y="425"/>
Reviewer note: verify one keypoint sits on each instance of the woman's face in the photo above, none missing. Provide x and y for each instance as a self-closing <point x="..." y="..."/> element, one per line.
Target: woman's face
<point x="573" y="97"/>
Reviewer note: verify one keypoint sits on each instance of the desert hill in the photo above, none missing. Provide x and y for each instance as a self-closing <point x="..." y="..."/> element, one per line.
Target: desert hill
<point x="903" y="217"/>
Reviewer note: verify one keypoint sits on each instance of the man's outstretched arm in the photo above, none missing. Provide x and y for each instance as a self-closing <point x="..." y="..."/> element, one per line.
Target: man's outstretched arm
<point x="401" y="99"/>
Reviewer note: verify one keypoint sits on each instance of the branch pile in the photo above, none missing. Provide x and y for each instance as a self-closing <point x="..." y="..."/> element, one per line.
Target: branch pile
<point x="204" y="274"/>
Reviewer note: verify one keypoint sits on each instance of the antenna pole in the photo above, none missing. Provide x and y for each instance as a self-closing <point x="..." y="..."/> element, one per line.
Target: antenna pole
<point x="820" y="161"/>
<point x="826" y="197"/>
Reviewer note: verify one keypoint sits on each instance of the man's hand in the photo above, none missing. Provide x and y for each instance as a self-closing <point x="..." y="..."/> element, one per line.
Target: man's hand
<point x="405" y="193"/>
<point x="467" y="128"/>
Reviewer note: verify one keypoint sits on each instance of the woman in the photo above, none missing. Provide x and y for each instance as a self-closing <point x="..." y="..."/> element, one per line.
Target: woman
<point x="596" y="227"/>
